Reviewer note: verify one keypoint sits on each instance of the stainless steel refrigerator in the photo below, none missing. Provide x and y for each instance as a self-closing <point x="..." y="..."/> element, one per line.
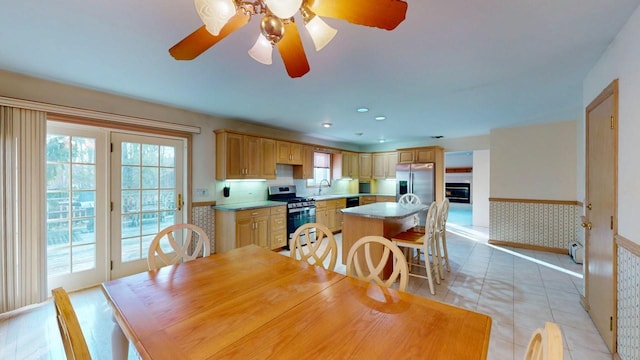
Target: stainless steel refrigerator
<point x="418" y="179"/>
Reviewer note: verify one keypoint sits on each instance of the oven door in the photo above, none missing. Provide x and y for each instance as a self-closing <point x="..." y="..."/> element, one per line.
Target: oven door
<point x="300" y="216"/>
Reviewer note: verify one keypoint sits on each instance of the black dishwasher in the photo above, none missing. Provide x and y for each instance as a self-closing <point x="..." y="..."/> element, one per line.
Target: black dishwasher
<point x="353" y="201"/>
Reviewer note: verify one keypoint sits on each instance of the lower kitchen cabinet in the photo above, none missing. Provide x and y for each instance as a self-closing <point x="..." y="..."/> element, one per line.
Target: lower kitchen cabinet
<point x="328" y="213"/>
<point x="265" y="227"/>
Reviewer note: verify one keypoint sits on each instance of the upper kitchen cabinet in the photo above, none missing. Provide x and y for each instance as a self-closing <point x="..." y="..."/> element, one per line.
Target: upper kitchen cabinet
<point x="418" y="155"/>
<point x="268" y="158"/>
<point x="364" y="163"/>
<point x="384" y="165"/>
<point x="350" y="165"/>
<point x="238" y="156"/>
<point x="289" y="153"/>
<point x="305" y="171"/>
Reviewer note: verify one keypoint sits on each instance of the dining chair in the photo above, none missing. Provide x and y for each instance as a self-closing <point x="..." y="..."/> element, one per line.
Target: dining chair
<point x="75" y="346"/>
<point x="314" y="252"/>
<point x="545" y="344"/>
<point x="180" y="253"/>
<point x="426" y="241"/>
<point x="410" y="198"/>
<point x="370" y="271"/>
<point x="443" y="253"/>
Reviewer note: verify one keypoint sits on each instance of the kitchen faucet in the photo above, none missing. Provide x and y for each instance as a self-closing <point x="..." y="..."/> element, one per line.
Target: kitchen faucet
<point x="320" y="186"/>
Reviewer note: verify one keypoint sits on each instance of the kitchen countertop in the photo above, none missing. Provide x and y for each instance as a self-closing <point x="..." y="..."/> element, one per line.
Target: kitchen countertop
<point x="249" y="205"/>
<point x="385" y="210"/>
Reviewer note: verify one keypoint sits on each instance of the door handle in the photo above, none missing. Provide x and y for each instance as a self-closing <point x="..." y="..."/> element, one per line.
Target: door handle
<point x="587" y="226"/>
<point x="179" y="202"/>
<point x="589" y="206"/>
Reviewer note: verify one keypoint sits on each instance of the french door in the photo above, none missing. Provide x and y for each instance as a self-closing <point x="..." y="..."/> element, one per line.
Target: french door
<point x="76" y="207"/>
<point x="147" y="179"/>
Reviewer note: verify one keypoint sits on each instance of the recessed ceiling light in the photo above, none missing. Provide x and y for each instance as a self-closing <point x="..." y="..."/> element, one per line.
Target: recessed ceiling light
<point x="437" y="137"/>
<point x="359" y="133"/>
<point x="326" y="124"/>
<point x="381" y="141"/>
<point x="380" y="118"/>
<point x="362" y="110"/>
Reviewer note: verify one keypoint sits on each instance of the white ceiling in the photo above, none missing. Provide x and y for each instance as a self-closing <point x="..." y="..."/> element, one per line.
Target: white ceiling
<point x="453" y="67"/>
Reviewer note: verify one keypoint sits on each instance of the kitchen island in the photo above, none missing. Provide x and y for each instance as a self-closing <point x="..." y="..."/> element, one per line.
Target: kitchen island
<point x="383" y="219"/>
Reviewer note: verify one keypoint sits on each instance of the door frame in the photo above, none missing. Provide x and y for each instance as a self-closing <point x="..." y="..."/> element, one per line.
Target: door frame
<point x="610" y="90"/>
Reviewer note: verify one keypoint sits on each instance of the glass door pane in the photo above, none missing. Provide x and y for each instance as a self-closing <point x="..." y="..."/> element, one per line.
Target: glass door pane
<point x="146" y="185"/>
<point x="75" y="189"/>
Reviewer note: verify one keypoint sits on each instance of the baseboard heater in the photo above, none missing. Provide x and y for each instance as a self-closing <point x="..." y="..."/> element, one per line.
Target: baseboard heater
<point x="576" y="251"/>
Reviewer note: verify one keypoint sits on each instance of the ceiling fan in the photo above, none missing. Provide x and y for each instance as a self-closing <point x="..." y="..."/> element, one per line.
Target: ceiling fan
<point x="278" y="28"/>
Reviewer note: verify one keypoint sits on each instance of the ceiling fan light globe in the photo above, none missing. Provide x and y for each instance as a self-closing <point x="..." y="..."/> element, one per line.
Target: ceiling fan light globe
<point x="272" y="28"/>
<point x="262" y="50"/>
<point x="284" y="9"/>
<point x="215" y="13"/>
<point x="320" y="32"/>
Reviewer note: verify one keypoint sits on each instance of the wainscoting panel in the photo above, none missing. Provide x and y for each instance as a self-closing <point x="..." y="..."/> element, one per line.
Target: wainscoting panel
<point x="535" y="223"/>
<point x="628" y="299"/>
<point x="202" y="215"/>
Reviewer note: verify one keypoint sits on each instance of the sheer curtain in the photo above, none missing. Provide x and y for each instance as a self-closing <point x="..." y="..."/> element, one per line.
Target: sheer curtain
<point x="23" y="278"/>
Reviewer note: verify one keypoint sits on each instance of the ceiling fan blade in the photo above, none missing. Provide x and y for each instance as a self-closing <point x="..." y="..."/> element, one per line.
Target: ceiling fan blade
<point x="292" y="52"/>
<point x="383" y="14"/>
<point x="200" y="40"/>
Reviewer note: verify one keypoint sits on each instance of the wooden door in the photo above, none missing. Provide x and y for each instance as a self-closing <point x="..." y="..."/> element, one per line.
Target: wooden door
<point x="268" y="159"/>
<point x="601" y="213"/>
<point x="392" y="161"/>
<point x="235" y="154"/>
<point x="261" y="235"/>
<point x="252" y="157"/>
<point x="244" y="232"/>
<point x="379" y="166"/>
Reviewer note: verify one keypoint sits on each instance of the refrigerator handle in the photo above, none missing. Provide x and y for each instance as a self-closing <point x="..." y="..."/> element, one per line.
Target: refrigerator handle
<point x="411" y="175"/>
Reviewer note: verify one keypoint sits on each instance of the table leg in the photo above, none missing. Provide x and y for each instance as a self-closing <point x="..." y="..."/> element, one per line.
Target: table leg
<point x="119" y="342"/>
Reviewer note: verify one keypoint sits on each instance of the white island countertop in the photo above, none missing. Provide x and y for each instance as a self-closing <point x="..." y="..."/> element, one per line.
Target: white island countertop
<point x="385" y="210"/>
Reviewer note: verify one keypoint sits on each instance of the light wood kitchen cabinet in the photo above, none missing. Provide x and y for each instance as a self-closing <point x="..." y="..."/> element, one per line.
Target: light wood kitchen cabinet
<point x="289" y="153"/>
<point x="417" y="155"/>
<point x="278" y="229"/>
<point x="305" y="171"/>
<point x="265" y="227"/>
<point x="322" y="216"/>
<point x="328" y="213"/>
<point x="364" y="169"/>
<point x="368" y="199"/>
<point x="238" y="156"/>
<point x="350" y="165"/>
<point x="384" y="165"/>
<point x="268" y="170"/>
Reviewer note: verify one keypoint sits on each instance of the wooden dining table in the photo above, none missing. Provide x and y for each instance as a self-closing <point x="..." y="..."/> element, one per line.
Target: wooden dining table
<point x="252" y="303"/>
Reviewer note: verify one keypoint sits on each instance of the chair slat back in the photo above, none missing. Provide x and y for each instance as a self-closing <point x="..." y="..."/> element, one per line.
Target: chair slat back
<point x="180" y="253"/>
<point x="545" y="344"/>
<point x="315" y="252"/>
<point x="372" y="269"/>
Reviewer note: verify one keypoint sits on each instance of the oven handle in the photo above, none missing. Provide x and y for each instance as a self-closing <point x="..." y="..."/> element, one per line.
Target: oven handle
<point x="297" y="210"/>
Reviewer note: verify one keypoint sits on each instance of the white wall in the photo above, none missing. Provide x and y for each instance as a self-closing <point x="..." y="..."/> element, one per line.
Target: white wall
<point x="535" y="162"/>
<point x="621" y="61"/>
<point x="481" y="188"/>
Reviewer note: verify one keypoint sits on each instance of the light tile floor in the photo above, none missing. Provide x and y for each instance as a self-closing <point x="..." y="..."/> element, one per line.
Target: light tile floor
<point x="519" y="289"/>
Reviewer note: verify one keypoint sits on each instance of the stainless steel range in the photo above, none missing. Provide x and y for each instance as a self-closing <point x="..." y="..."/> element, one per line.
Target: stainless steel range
<point x="300" y="210"/>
